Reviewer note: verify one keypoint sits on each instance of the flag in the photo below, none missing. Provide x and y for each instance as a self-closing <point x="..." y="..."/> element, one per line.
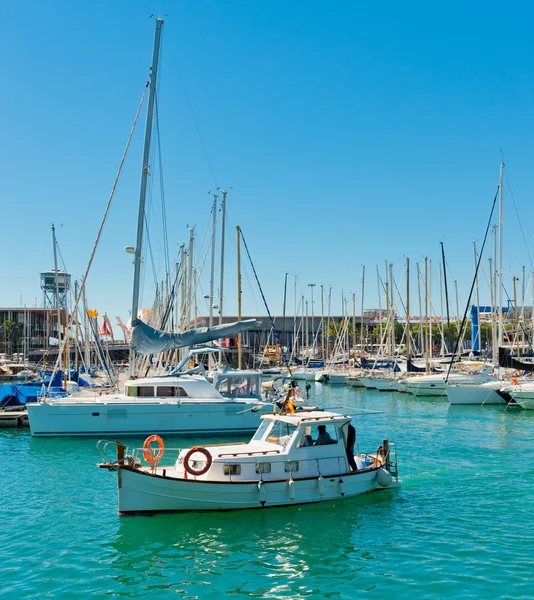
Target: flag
<point x="92" y="313"/>
<point x="106" y="329"/>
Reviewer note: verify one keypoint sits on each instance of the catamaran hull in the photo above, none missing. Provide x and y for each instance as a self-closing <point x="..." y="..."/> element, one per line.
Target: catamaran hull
<point x="143" y="492"/>
<point x="103" y="419"/>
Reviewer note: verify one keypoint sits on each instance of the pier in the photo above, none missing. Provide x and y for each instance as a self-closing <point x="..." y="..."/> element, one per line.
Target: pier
<point x="14" y="418"/>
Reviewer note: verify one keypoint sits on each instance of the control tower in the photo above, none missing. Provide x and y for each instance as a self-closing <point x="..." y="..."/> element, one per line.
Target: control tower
<point x="52" y="288"/>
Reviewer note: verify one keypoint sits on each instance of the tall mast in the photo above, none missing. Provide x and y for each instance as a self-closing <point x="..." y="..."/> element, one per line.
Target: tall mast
<point x="212" y="275"/>
<point x="284" y="306"/>
<point x="408" y="332"/>
<point x="392" y="311"/>
<point x="221" y="284"/>
<point x="353" y="325"/>
<point x="427" y="321"/>
<point x="311" y="286"/>
<point x="379" y="309"/>
<point x="361" y="317"/>
<point x="223" y="233"/>
<point x="501" y="213"/>
<point x="144" y="177"/>
<point x="239" y="350"/>
<point x="191" y="279"/>
<point x="58" y="309"/>
<point x="322" y="322"/>
<point x="477" y="341"/>
<point x="446" y="298"/>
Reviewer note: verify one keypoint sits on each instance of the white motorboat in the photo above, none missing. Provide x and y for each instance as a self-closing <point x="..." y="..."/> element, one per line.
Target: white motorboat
<point x="304" y="374"/>
<point x="354" y="381"/>
<point x="385" y="384"/>
<point x="292" y="459"/>
<point x="477" y="394"/>
<point x="181" y="404"/>
<point x="332" y="377"/>
<point x="434" y="385"/>
<point x="522" y="394"/>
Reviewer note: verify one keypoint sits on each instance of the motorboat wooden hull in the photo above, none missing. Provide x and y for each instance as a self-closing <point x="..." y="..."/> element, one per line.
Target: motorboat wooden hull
<point x="142" y="492"/>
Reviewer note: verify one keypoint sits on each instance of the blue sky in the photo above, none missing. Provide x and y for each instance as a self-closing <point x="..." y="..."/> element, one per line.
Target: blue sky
<point x="349" y="133"/>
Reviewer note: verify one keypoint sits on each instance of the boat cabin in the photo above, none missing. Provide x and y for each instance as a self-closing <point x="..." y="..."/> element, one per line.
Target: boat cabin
<point x="232" y="383"/>
<point x="181" y="387"/>
<point x="305" y="444"/>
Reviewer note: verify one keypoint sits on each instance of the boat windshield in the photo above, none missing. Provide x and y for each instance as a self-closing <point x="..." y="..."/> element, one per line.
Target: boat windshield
<point x="281" y="433"/>
<point x="262" y="429"/>
<point x="238" y="386"/>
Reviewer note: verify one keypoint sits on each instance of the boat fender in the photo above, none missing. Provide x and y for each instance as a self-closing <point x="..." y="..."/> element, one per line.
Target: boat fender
<point x="291" y="484"/>
<point x="261" y="490"/>
<point x="148" y="452"/>
<point x="341" y="487"/>
<point x="383" y="478"/>
<point x="320" y="485"/>
<point x="188" y="456"/>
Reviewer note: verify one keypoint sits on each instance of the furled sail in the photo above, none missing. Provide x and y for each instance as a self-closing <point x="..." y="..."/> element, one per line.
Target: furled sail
<point x="147" y="340"/>
<point x="506" y="361"/>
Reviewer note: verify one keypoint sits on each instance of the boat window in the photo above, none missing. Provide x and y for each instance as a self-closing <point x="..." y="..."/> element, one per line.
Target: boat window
<point x="238" y="386"/>
<point x="318" y="435"/>
<point x="281" y="433"/>
<point x="291" y="466"/>
<point x="265" y="425"/>
<point x="263" y="467"/>
<point x="145" y="391"/>
<point x="170" y="390"/>
<point x="232" y="469"/>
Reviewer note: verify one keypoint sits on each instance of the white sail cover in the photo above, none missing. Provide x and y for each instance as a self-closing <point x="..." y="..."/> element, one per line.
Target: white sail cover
<point x="147" y="340"/>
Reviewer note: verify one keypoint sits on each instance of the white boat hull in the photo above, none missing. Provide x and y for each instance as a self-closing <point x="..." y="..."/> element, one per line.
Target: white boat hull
<point x="142" y="492"/>
<point x="106" y="418"/>
<point x="304" y="376"/>
<point x="474" y="395"/>
<point x="336" y="378"/>
<point x="523" y="395"/>
<point x="386" y="385"/>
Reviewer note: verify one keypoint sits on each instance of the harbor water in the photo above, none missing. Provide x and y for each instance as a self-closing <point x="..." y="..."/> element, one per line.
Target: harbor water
<point x="461" y="526"/>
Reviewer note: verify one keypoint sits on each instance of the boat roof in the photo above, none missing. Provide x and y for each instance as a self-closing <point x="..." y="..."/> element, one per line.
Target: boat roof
<point x="305" y="417"/>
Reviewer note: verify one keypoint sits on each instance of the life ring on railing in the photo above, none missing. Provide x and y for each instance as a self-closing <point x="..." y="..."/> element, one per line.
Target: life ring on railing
<point x="148" y="452"/>
<point x="205" y="468"/>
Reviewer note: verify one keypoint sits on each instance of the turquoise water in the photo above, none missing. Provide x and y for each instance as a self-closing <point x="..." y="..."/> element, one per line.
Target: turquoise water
<point x="460" y="527"/>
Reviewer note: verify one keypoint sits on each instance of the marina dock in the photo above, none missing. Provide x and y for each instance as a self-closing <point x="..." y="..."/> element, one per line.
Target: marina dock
<point x="14" y="418"/>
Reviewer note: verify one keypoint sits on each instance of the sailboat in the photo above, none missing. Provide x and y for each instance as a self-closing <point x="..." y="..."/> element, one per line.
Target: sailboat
<point x="183" y="402"/>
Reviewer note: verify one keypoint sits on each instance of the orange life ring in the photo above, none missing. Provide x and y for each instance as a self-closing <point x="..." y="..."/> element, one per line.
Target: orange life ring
<point x="204" y="469"/>
<point x="149" y="453"/>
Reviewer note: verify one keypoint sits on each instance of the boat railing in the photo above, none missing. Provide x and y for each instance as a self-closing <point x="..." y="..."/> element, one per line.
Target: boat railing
<point x="132" y="456"/>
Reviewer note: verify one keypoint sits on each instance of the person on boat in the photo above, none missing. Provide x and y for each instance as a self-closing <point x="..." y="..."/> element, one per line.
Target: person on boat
<point x="351" y="440"/>
<point x="295" y="390"/>
<point x="324" y="437"/>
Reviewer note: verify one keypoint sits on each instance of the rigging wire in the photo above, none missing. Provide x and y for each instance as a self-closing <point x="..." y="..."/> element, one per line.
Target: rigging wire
<point x="102" y="224"/>
<point x="162" y="190"/>
<point x="197" y="127"/>
<point x="464" y="321"/>
<point x="275" y="332"/>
